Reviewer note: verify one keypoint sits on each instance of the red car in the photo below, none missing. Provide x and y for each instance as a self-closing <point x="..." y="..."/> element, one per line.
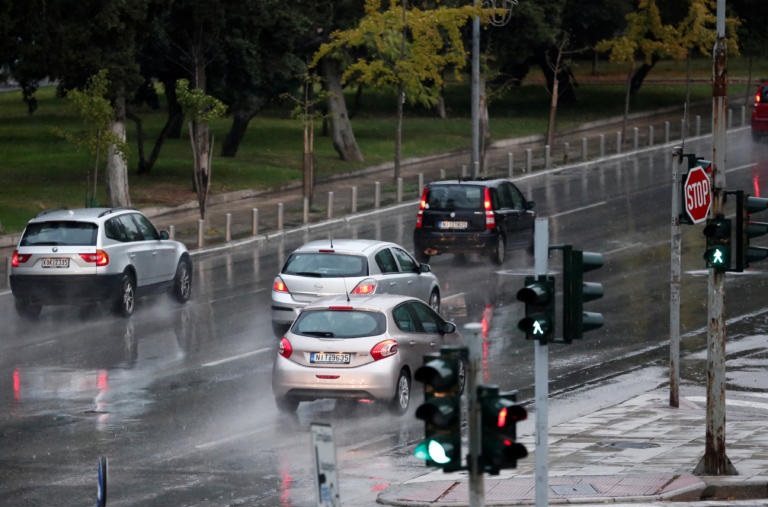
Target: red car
<point x="760" y="111"/>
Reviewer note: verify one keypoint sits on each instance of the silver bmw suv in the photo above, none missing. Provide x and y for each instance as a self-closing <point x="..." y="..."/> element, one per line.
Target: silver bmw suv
<point x="82" y="256"/>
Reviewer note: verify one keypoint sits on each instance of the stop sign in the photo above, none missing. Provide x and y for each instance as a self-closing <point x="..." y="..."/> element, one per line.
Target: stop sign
<point x="697" y="195"/>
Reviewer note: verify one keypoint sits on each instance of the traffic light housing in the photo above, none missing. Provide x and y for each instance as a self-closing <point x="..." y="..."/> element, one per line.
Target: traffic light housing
<point x="539" y="298"/>
<point x="441" y="410"/>
<point x="718" y="249"/>
<point x="576" y="292"/>
<point x="746" y="230"/>
<point x="499" y="417"/>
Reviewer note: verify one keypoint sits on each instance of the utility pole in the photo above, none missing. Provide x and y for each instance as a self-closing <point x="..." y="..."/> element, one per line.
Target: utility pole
<point x="715" y="461"/>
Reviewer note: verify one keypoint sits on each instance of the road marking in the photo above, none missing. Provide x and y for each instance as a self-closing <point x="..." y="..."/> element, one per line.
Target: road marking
<point x="577" y="210"/>
<point x="236" y="358"/>
<point x="735" y="403"/>
<point x="215" y="443"/>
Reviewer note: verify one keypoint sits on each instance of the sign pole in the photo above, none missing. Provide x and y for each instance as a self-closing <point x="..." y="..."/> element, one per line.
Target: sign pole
<point x="541" y="372"/>
<point x="674" y="285"/>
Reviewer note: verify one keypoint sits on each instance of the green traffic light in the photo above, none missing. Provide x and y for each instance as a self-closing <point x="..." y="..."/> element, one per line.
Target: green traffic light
<point x="439" y="452"/>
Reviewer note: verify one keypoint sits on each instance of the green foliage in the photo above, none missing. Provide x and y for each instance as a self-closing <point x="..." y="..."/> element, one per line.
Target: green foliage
<point x="197" y="105"/>
<point x="408" y="49"/>
<point x="97" y="114"/>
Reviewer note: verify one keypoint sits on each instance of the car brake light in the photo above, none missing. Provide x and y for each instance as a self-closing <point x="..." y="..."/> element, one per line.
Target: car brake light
<point x="367" y="286"/>
<point x="19" y="259"/>
<point x="490" y="218"/>
<point x="100" y="257"/>
<point x="422" y="206"/>
<point x="384" y="349"/>
<point x="327" y="250"/>
<point x="285" y="349"/>
<point x="279" y="285"/>
<point x="340" y="308"/>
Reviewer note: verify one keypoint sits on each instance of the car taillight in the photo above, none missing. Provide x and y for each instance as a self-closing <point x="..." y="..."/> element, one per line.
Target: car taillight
<point x="19" y="259"/>
<point x="422" y="206"/>
<point x="100" y="257"/>
<point x="367" y="286"/>
<point x="384" y="349"/>
<point x="279" y="285"/>
<point x="285" y="349"/>
<point x="490" y="218"/>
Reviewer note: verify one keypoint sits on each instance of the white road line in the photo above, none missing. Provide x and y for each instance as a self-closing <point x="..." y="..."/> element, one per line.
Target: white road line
<point x="577" y="210"/>
<point x="236" y="358"/>
<point x="735" y="403"/>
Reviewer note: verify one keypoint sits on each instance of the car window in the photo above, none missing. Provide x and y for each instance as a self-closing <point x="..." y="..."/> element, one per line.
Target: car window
<point x="455" y="197"/>
<point x="148" y="231"/>
<point x="404" y="319"/>
<point x="518" y="201"/>
<point x="325" y="265"/>
<point x="426" y="316"/>
<point x="60" y="232"/>
<point x="334" y="323"/>
<point x="132" y="232"/>
<point x="113" y="229"/>
<point x="406" y="261"/>
<point x="386" y="261"/>
<point x="504" y="196"/>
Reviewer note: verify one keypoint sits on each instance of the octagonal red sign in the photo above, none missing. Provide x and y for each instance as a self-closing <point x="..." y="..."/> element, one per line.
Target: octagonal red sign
<point x="697" y="194"/>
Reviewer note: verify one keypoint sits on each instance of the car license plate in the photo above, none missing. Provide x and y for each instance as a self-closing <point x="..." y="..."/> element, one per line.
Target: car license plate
<point x="329" y="358"/>
<point x="56" y="262"/>
<point x="452" y="224"/>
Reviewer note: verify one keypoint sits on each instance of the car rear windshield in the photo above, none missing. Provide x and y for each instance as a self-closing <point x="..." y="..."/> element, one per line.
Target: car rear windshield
<point x="455" y="197"/>
<point x="60" y="233"/>
<point x="332" y="323"/>
<point x="326" y="265"/>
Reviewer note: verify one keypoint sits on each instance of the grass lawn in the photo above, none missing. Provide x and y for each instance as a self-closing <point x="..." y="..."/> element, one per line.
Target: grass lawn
<point x="41" y="170"/>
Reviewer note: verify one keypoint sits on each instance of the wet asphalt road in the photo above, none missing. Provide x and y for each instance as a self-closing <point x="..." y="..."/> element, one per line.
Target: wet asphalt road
<point x="179" y="399"/>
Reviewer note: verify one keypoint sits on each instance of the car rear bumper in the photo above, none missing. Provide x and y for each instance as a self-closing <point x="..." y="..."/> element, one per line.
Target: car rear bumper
<point x="434" y="243"/>
<point x="375" y="380"/>
<point x="65" y="289"/>
<point x="760" y="124"/>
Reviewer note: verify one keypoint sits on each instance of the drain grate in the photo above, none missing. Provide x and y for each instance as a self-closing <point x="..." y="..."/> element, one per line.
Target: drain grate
<point x="574" y="489"/>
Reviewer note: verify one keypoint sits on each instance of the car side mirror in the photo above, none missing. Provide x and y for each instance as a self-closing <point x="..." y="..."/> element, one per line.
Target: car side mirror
<point x="449" y="328"/>
<point x="164" y="235"/>
<point x="530" y="205"/>
<point x="424" y="268"/>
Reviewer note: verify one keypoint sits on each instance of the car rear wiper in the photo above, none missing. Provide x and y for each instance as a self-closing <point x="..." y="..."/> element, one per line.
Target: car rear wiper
<point x="321" y="334"/>
<point x="307" y="273"/>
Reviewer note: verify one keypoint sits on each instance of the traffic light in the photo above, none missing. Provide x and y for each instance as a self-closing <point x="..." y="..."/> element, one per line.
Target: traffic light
<point x="441" y="410"/>
<point x="539" y="298"/>
<point x="718" y="251"/>
<point x="576" y="292"/>
<point x="499" y="417"/>
<point x="746" y="230"/>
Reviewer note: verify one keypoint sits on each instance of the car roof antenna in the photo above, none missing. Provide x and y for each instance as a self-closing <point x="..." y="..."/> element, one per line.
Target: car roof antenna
<point x="346" y="290"/>
<point x="331" y="238"/>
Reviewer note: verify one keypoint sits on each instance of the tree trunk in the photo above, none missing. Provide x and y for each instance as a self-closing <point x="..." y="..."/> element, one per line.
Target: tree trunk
<point x="641" y="74"/>
<point x="240" y="120"/>
<point x="175" y="120"/>
<point x="117" y="167"/>
<point x="342" y="135"/>
<point x="201" y="152"/>
<point x="552" y="114"/>
<point x="145" y="166"/>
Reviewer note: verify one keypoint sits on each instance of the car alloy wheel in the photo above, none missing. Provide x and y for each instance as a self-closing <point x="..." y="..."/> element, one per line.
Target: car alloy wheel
<point x="126" y="301"/>
<point x="402" y="397"/>
<point x="182" y="282"/>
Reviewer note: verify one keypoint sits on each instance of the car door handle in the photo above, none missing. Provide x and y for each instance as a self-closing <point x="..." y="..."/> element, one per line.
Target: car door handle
<point x="393" y="284"/>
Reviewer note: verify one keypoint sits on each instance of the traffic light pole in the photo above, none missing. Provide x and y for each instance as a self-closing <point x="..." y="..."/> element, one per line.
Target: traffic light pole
<point x="476" y="477"/>
<point x="674" y="284"/>
<point x="715" y="461"/>
<point x="541" y="372"/>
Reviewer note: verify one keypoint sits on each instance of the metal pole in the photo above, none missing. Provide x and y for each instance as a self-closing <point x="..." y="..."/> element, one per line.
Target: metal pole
<point x="541" y="366"/>
<point x="476" y="87"/>
<point x="674" y="284"/>
<point x="715" y="461"/>
<point x="476" y="477"/>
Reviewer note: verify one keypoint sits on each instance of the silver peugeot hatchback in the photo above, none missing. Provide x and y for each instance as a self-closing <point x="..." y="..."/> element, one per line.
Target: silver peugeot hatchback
<point x="348" y="266"/>
<point x="91" y="255"/>
<point x="358" y="348"/>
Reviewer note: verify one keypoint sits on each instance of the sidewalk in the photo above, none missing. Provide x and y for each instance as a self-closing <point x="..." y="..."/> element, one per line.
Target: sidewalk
<point x="639" y="452"/>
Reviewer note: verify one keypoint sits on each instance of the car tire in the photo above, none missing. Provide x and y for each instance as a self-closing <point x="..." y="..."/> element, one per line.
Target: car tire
<point x="27" y="309"/>
<point x="421" y="257"/>
<point x="287" y="404"/>
<point x="125" y="303"/>
<point x="499" y="252"/>
<point x="401" y="400"/>
<point x="182" y="281"/>
<point x="434" y="300"/>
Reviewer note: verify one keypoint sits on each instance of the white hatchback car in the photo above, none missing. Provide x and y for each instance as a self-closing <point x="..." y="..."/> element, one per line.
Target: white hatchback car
<point x="348" y="266"/>
<point x="91" y="255"/>
<point x="358" y="347"/>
